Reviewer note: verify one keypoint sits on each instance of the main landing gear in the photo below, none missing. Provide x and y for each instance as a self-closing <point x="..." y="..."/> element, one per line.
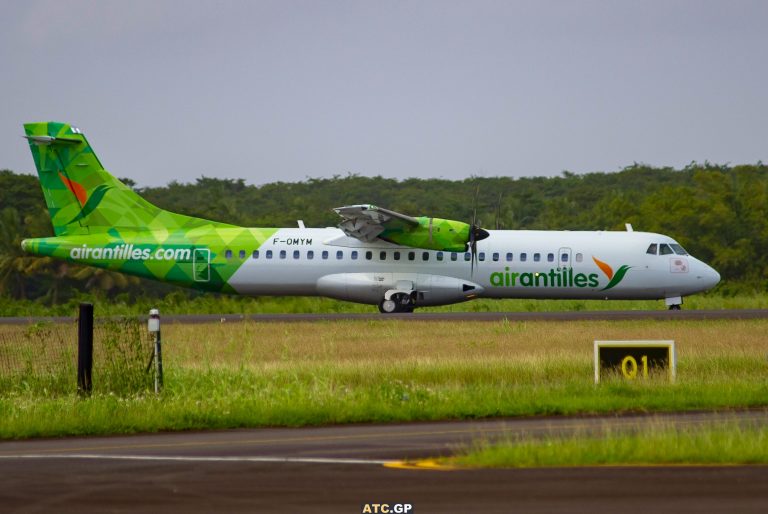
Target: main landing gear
<point x="399" y="302"/>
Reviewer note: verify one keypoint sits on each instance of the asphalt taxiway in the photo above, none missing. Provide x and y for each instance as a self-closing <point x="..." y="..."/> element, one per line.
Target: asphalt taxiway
<point x="342" y="468"/>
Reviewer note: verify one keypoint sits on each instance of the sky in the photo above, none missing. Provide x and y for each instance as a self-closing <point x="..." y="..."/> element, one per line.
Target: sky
<point x="285" y="90"/>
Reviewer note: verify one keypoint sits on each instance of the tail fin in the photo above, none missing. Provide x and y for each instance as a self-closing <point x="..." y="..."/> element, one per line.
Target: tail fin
<point x="82" y="197"/>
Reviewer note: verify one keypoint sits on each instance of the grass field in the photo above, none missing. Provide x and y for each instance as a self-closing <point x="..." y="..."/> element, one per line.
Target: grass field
<point x="290" y="374"/>
<point x="720" y="443"/>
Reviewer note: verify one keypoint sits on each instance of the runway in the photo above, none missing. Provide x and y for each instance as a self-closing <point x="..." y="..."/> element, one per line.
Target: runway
<point x="662" y="315"/>
<point x="342" y="468"/>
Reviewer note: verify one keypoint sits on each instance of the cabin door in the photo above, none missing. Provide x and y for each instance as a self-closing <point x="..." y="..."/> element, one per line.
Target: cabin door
<point x="201" y="264"/>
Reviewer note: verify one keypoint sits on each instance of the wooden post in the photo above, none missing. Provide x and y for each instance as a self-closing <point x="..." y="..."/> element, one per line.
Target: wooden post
<point x="85" y="349"/>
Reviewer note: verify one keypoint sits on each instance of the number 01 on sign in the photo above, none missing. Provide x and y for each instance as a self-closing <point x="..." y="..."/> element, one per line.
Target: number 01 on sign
<point x="635" y="360"/>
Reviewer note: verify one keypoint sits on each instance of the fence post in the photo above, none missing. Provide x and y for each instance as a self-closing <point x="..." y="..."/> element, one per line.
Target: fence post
<point x="85" y="349"/>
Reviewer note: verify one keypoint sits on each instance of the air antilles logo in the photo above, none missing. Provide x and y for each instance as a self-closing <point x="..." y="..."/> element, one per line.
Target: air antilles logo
<point x="561" y="277"/>
<point x="87" y="204"/>
<point x="614" y="278"/>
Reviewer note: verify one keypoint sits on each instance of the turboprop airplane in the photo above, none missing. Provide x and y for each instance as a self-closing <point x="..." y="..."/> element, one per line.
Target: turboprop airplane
<point x="375" y="256"/>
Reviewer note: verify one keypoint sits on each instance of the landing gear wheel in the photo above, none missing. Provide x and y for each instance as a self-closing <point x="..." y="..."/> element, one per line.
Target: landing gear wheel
<point x="388" y="306"/>
<point x="397" y="303"/>
<point x="674" y="307"/>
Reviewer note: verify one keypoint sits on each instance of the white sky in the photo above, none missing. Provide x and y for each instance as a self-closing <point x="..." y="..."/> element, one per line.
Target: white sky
<point x="284" y="90"/>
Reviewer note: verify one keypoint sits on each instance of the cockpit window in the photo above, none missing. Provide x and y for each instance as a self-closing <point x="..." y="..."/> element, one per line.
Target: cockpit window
<point x="679" y="250"/>
<point x="664" y="249"/>
<point x="652" y="249"/>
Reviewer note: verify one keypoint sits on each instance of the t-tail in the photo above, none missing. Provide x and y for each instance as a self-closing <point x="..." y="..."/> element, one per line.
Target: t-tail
<point x="82" y="197"/>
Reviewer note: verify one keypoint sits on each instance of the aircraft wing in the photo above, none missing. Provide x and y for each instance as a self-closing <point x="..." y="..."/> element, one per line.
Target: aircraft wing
<point x="367" y="222"/>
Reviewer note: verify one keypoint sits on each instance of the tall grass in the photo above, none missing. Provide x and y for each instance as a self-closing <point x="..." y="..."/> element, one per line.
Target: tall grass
<point x="38" y="360"/>
<point x="41" y="359"/>
<point x="257" y="374"/>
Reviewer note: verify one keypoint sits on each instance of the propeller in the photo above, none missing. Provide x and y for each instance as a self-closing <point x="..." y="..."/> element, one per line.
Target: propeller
<point x="476" y="233"/>
<point x="431" y="222"/>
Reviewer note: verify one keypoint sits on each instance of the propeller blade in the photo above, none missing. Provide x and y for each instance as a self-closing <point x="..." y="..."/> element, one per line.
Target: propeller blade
<point x="472" y="248"/>
<point x="430" y="229"/>
<point x="473" y="233"/>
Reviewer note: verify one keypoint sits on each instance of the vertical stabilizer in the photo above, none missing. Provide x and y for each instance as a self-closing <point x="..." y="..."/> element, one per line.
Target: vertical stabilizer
<point x="82" y="197"/>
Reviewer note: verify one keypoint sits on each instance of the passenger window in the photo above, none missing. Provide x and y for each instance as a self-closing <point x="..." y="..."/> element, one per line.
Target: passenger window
<point x="425" y="256"/>
<point x="383" y="256"/>
<point x="439" y="256"/>
<point x="467" y="256"/>
<point x="495" y="257"/>
<point x="523" y="257"/>
<point x="269" y="254"/>
<point x="481" y="256"/>
<point x="310" y="255"/>
<point x="354" y="255"/>
<point x="679" y="250"/>
<point x="536" y="257"/>
<point x="368" y="255"/>
<point x="564" y="257"/>
<point x="652" y="250"/>
<point x="550" y="257"/>
<point x="282" y="254"/>
<point x="664" y="249"/>
<point x="241" y="254"/>
<point x="255" y="254"/>
<point x="579" y="257"/>
<point x="325" y="254"/>
<point x="396" y="256"/>
<point x="339" y="255"/>
<point x="228" y="254"/>
<point x="454" y="256"/>
<point x="411" y="256"/>
<point x="296" y="254"/>
<point x="509" y="256"/>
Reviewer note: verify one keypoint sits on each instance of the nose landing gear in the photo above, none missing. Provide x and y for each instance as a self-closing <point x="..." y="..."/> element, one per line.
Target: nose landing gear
<point x="674" y="303"/>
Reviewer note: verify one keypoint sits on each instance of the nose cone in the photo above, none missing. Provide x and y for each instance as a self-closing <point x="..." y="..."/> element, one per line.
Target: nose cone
<point x="707" y="276"/>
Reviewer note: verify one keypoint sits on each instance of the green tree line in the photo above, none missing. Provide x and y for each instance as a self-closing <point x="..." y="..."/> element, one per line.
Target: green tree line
<point x="719" y="213"/>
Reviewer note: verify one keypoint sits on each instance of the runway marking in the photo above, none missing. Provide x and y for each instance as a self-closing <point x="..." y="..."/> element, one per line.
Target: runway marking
<point x="551" y="425"/>
<point x="420" y="465"/>
<point x="175" y="458"/>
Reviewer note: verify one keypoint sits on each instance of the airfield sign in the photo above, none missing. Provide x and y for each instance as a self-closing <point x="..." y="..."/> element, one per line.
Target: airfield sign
<point x="635" y="360"/>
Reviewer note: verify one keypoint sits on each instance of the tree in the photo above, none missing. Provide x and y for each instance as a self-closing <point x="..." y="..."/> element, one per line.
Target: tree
<point x="15" y="265"/>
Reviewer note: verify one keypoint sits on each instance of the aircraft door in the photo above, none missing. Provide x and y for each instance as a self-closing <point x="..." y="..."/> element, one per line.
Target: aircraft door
<point x="201" y="264"/>
<point x="564" y="258"/>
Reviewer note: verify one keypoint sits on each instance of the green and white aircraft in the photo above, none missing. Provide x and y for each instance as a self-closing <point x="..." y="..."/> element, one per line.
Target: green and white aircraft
<point x="375" y="256"/>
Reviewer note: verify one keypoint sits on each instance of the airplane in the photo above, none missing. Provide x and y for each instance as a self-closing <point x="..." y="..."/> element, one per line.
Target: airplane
<point x="374" y="256"/>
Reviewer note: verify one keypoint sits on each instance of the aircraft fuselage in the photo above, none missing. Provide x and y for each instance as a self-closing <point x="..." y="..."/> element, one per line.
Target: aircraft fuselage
<point x="325" y="262"/>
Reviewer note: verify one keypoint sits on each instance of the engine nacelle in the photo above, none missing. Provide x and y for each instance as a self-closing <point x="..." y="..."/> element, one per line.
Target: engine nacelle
<point x="371" y="288"/>
<point x="434" y="234"/>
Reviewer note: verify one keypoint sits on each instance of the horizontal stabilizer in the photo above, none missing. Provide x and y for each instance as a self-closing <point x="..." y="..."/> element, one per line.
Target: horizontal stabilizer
<point x="48" y="140"/>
